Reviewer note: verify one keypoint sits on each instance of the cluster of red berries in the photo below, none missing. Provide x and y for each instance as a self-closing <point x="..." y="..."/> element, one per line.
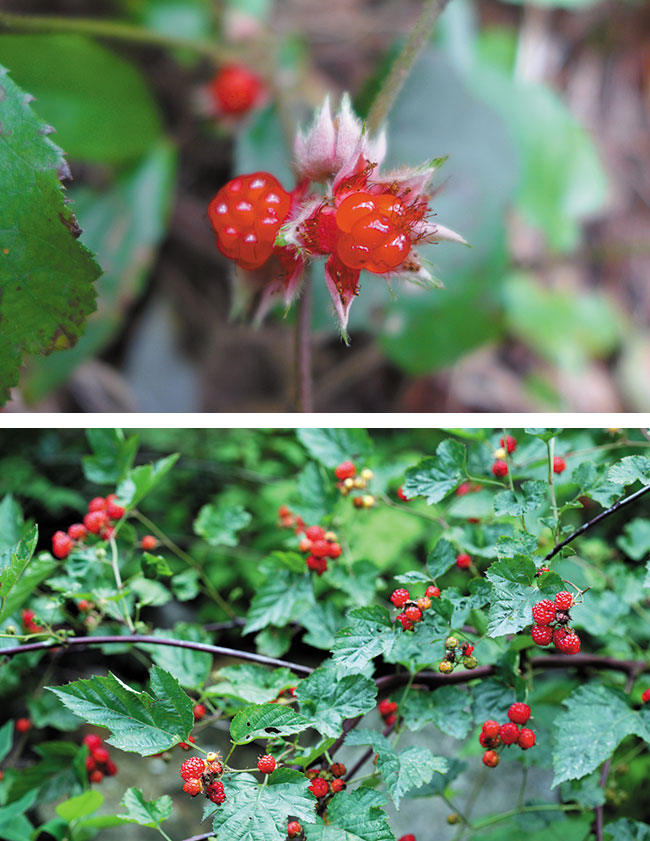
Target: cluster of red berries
<point x="98" y="762"/>
<point x="388" y="711"/>
<point x="494" y="734"/>
<point x="102" y="514"/>
<point x="202" y="775"/>
<point x="326" y="781"/>
<point x="456" y="653"/>
<point x="506" y="445"/>
<point x="235" y="89"/>
<point x="349" y="481"/>
<point x="412" y="609"/>
<point x="288" y="520"/>
<point x="319" y="545"/>
<point x="29" y="623"/>
<point x="552" y="624"/>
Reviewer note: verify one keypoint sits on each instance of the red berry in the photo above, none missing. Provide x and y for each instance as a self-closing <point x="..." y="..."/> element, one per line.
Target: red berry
<point x="400" y="597"/>
<point x="508" y="733"/>
<point x="467" y="649"/>
<point x="390" y="720"/>
<point x="97" y="504"/>
<point x="569" y="644"/>
<point x="111" y="768"/>
<point x="23" y="725"/>
<point x="95" y="521"/>
<point x="526" y="738"/>
<point x="407" y="623"/>
<point x="320" y="548"/>
<point x="541" y="634"/>
<point x="100" y="754"/>
<point x="408" y="837"/>
<point x="401" y="495"/>
<point x="192" y="767"/>
<point x="413" y="613"/>
<point x="544" y="612"/>
<point x="317" y="565"/>
<point x="519" y="713"/>
<point x="490" y="728"/>
<point x="337" y="769"/>
<point x="193" y="786"/>
<point x="335" y="550"/>
<point x="77" y="531"/>
<point x="463" y="561"/>
<point x="500" y="468"/>
<point x="215" y="768"/>
<point x="216" y="795"/>
<point x="337" y="785"/>
<point x="432" y="592"/>
<point x="236" y="89"/>
<point x="115" y="511"/>
<point x="148" y="542"/>
<point x="558" y="635"/>
<point x="61" y="544"/>
<point x="199" y="711"/>
<point x="96" y="776"/>
<point x="487" y="742"/>
<point x="315" y="532"/>
<point x="27" y="616"/>
<point x="491" y="758"/>
<point x="387" y="707"/>
<point x="345" y="470"/>
<point x="541" y="571"/>
<point x="559" y="464"/>
<point x="266" y="764"/>
<point x="92" y="740"/>
<point x="563" y="600"/>
<point x="645" y="697"/>
<point x="319" y="787"/>
<point x="510" y="443"/>
<point x="90" y="763"/>
<point x="293" y="829"/>
<point x="246" y="214"/>
<point x="304" y="545"/>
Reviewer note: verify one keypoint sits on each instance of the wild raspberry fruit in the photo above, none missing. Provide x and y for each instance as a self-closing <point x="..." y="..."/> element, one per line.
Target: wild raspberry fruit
<point x="510" y="443"/>
<point x="90" y="763"/>
<point x="23" y="725"/>
<point x="319" y="787"/>
<point x="266" y="764"/>
<point x="544" y="612"/>
<point x="519" y="713"/>
<point x="345" y="470"/>
<point x="148" y="542"/>
<point x="470" y="662"/>
<point x="500" y="468"/>
<point x="235" y="89"/>
<point x="445" y="667"/>
<point x="541" y="571"/>
<point x="387" y="707"/>
<point x="199" y="711"/>
<point x="315" y="532"/>
<point x="216" y="792"/>
<point x="337" y="785"/>
<point x="111" y="768"/>
<point x="559" y="464"/>
<point x="399" y="597"/>
<point x="215" y="768"/>
<point x="61" y="544"/>
<point x="487" y="742"/>
<point x="304" y="545"/>
<point x="335" y="550"/>
<point x="467" y="648"/>
<point x="432" y="592"/>
<point x="414" y="614"/>
<point x="293" y="829"/>
<point x="338" y="768"/>
<point x="491" y="758"/>
<point x="246" y="214"/>
<point x="407" y="623"/>
<point x="645" y="697"/>
<point x="563" y="600"/>
<point x="463" y="561"/>
<point x="401" y="495"/>
<point x="77" y="531"/>
<point x="558" y="635"/>
<point x="192" y="768"/>
<point x="569" y="644"/>
<point x="100" y="754"/>
<point x="95" y="521"/>
<point x="408" y="837"/>
<point x="526" y="738"/>
<point x="96" y="776"/>
<point x="390" y="720"/>
<point x="115" y="511"/>
<point x="193" y="786"/>
<point x="508" y="733"/>
<point x="490" y="728"/>
<point x="97" y="504"/>
<point x="317" y="565"/>
<point x="541" y="634"/>
<point x="320" y="548"/>
<point x="212" y="756"/>
<point x="92" y="740"/>
<point x="424" y="603"/>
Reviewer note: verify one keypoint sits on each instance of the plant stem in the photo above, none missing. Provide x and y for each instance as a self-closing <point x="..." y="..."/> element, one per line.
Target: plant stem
<point x="117" y="30"/>
<point x="544" y="807"/>
<point x="550" y="449"/>
<point x="303" y="348"/>
<point x="118" y="582"/>
<point x="404" y="63"/>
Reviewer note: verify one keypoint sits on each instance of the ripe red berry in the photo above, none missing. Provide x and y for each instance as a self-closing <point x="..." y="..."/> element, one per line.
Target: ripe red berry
<point x="408" y="837"/>
<point x="510" y="443"/>
<point x="387" y="707"/>
<point x="519" y="713"/>
<point x="61" y="544"/>
<point x="115" y="511"/>
<point x="432" y="592"/>
<point x="645" y="697"/>
<point x="148" y="542"/>
<point x="338" y="768"/>
<point x="214" y="768"/>
<point x="92" y="740"/>
<point x="563" y="600"/>
<point x="491" y="758"/>
<point x="500" y="468"/>
<point x="345" y="470"/>
<point x="399" y="597"/>
<point x="319" y="787"/>
<point x="193" y="786"/>
<point x="95" y="521"/>
<point x="266" y="764"/>
<point x="192" y="767"/>
<point x="335" y="550"/>
<point x="97" y="504"/>
<point x="315" y="532"/>
<point x="100" y="755"/>
<point x="558" y="635"/>
<point x="401" y="495"/>
<point x="467" y="649"/>
<point x="490" y="728"/>
<point x="463" y="561"/>
<point x="390" y="720"/>
<point x="541" y="634"/>
<point x="236" y="89"/>
<point x="77" y="531"/>
<point x="293" y="829"/>
<point x="199" y="711"/>
<point x="487" y="742"/>
<point x="317" y="565"/>
<point x="337" y="785"/>
<point x="90" y="763"/>
<point x="320" y="548"/>
<point x="526" y="738"/>
<point x="96" y="776"/>
<point x="569" y="644"/>
<point x="414" y="614"/>
<point x="559" y="464"/>
<point x="246" y="214"/>
<point x="23" y="725"/>
<point x="216" y="792"/>
<point x="508" y="733"/>
<point x="407" y="623"/>
<point x="544" y="612"/>
<point x="111" y="768"/>
<point x="541" y="571"/>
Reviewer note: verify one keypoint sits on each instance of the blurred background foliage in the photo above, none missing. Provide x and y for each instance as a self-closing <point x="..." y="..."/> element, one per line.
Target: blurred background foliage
<point x="542" y="108"/>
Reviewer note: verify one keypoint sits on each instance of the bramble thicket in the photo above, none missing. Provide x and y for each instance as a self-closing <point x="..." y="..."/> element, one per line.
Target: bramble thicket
<point x="325" y="634"/>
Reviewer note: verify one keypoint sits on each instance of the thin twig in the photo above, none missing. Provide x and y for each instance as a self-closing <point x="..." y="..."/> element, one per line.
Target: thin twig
<point x="303" y="348"/>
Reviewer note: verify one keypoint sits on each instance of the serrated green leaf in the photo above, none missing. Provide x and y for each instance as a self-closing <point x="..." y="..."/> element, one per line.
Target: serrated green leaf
<point x="219" y="524"/>
<point x="586" y="792"/>
<point x="517" y="503"/>
<point x="140" y="722"/>
<point x="327" y="701"/>
<point x="630" y="469"/>
<point x="112" y="457"/>
<point x="512" y="595"/>
<point x="447" y="707"/>
<point x="315" y="494"/>
<point x="353" y="816"/>
<point x="265" y="721"/>
<point x="279" y="599"/>
<point x="46" y="711"/>
<point x="154" y="566"/>
<point x="491" y="699"/>
<point x="61" y="772"/>
<point x="6" y="738"/>
<point x="21" y="573"/>
<point x="12" y="523"/>
<point x="322" y="622"/>
<point x="149" y="592"/>
<point x="592" y="481"/>
<point x="185" y="585"/>
<point x="80" y="806"/>
<point x="369" y="633"/>
<point x="520" y="544"/>
<point x="139" y="481"/>
<point x="441" y="559"/>
<point x="332" y="446"/>
<point x="190" y="668"/>
<point x="145" y="812"/>
<point x="625" y="829"/>
<point x="434" y="478"/>
<point x="359" y="580"/>
<point x="252" y="683"/>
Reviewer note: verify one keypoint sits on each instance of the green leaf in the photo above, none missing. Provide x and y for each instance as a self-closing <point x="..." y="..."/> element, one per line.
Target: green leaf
<point x="265" y="721"/>
<point x="279" y="599"/>
<point x="410" y="769"/>
<point x="586" y="792"/>
<point x="79" y="807"/>
<point x="47" y="274"/>
<point x="140" y="722"/>
<point x="327" y="701"/>
<point x="629" y="470"/>
<point x="97" y="101"/>
<point x="21" y="573"/>
<point x="441" y="558"/>
<point x="592" y="483"/>
<point x="353" y="816"/>
<point x="359" y="580"/>
<point x="190" y="668"/>
<point x="46" y="711"/>
<point x="596" y="720"/>
<point x="6" y="738"/>
<point x="315" y="494"/>
<point x="625" y="829"/>
<point x="61" y="772"/>
<point x="154" y="566"/>
<point x="185" y="585"/>
<point x="112" y="457"/>
<point x="146" y="812"/>
<point x="12" y="523"/>
<point x="219" y="524"/>
<point x="517" y="503"/>
<point x="139" y="481"/>
<point x="369" y="633"/>
<point x="332" y="446"/>
<point x="252" y="683"/>
<point x="434" y="478"/>
<point x="446" y="707"/>
<point x="322" y="622"/>
<point x="513" y="595"/>
<point x="149" y="592"/>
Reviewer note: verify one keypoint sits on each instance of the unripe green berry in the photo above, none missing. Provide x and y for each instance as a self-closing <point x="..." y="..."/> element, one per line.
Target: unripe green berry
<point x="445" y="667"/>
<point x="470" y="662"/>
<point x="451" y="643"/>
<point x="100" y="553"/>
<point x="453" y="818"/>
<point x="11" y="629"/>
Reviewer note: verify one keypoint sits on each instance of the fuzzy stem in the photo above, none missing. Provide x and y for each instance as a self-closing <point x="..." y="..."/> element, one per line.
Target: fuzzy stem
<point x="404" y="63"/>
<point x="303" y="348"/>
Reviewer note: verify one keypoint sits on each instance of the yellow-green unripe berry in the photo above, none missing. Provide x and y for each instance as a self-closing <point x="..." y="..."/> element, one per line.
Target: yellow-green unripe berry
<point x="445" y="667"/>
<point x="470" y="662"/>
<point x="451" y="643"/>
